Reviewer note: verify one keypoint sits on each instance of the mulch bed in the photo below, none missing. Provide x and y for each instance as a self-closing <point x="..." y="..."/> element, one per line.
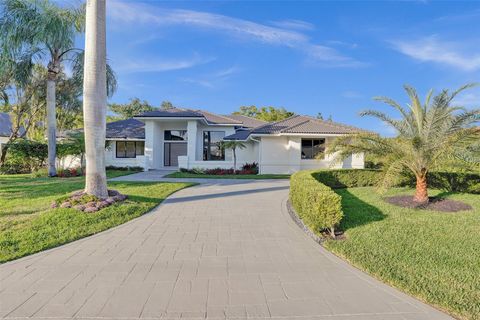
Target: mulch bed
<point x="437" y="204"/>
<point x="87" y="203"/>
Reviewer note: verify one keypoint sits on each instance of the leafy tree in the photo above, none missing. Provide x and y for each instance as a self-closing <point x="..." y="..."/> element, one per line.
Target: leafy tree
<point x="269" y="114"/>
<point x="46" y="32"/>
<point x="133" y="108"/>
<point x="427" y="134"/>
<point x="166" y="105"/>
<point x="234" y="145"/>
<point x="23" y="102"/>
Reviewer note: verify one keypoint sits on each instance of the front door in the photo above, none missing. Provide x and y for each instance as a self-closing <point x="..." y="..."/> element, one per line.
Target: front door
<point x="172" y="150"/>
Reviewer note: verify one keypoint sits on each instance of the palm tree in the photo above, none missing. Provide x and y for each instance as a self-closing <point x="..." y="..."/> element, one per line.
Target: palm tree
<point x="49" y="33"/>
<point x="233" y="144"/>
<point x="427" y="134"/>
<point x="95" y="98"/>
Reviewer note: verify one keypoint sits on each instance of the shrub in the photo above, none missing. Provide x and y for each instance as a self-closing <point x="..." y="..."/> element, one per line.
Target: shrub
<point x="250" y="167"/>
<point x="133" y="168"/>
<point x="316" y="204"/>
<point x="348" y="178"/>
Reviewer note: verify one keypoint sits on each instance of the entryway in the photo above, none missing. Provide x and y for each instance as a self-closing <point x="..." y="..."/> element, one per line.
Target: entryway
<point x="172" y="150"/>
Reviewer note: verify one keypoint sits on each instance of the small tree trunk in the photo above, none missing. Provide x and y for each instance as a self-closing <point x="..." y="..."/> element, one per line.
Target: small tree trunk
<point x="51" y="124"/>
<point x="3" y="155"/>
<point x="95" y="98"/>
<point x="332" y="232"/>
<point x="421" y="192"/>
<point x="234" y="160"/>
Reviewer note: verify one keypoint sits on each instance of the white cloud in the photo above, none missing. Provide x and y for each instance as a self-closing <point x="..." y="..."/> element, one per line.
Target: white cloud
<point x="349" y="94"/>
<point x="431" y="49"/>
<point x="159" y="64"/>
<point x="293" y="24"/>
<point x="212" y="80"/>
<point x="128" y="13"/>
<point x="468" y="100"/>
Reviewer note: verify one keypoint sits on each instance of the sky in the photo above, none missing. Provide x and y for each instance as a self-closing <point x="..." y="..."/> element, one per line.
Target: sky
<point x="306" y="56"/>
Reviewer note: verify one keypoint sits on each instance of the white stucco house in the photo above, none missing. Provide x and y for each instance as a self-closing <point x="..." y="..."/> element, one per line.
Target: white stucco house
<point x="182" y="138"/>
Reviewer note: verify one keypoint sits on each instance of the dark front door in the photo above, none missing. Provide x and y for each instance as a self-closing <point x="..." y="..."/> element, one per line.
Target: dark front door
<point x="172" y="150"/>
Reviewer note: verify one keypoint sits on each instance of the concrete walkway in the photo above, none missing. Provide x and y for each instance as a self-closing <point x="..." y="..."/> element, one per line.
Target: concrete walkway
<point x="216" y="251"/>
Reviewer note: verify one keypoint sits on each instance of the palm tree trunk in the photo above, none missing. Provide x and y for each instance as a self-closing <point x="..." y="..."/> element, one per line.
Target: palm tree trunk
<point x="51" y="124"/>
<point x="234" y="160"/>
<point x="95" y="98"/>
<point x="421" y="192"/>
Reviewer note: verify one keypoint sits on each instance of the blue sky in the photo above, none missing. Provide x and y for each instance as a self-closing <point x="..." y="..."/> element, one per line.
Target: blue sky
<point x="306" y="56"/>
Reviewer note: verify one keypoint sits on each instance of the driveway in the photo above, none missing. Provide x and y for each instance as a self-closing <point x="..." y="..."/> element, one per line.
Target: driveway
<point x="218" y="251"/>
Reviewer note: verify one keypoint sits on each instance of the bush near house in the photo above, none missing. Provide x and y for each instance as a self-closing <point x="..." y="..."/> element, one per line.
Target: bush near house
<point x="317" y="204"/>
<point x="247" y="168"/>
<point x="447" y="181"/>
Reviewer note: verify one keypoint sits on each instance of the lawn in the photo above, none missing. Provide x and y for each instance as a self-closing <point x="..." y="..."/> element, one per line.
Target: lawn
<point x="432" y="255"/>
<point x="227" y="176"/>
<point x="29" y="225"/>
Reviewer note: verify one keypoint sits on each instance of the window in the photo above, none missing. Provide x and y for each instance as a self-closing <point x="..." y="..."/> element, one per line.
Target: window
<point x="175" y="135"/>
<point x="313" y="148"/>
<point x="211" y="145"/>
<point x="130" y="149"/>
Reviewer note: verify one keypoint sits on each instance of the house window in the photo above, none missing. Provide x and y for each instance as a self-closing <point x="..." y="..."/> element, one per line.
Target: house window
<point x="130" y="149"/>
<point x="211" y="145"/>
<point x="175" y="135"/>
<point x="313" y="148"/>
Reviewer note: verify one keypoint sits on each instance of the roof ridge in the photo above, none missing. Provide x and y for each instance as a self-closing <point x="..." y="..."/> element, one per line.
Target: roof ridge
<point x="275" y="122"/>
<point x="334" y="123"/>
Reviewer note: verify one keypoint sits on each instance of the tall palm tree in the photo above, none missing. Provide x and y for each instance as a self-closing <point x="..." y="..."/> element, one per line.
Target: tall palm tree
<point x="95" y="98"/>
<point x="427" y="134"/>
<point x="49" y="32"/>
<point x="234" y="145"/>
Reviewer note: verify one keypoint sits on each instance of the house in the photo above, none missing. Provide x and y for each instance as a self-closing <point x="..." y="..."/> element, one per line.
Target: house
<point x="183" y="138"/>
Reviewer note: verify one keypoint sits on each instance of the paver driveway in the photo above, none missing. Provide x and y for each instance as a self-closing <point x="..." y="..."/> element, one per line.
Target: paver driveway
<point x="216" y="251"/>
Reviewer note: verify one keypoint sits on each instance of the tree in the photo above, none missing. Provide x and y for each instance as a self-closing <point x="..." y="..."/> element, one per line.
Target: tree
<point x="22" y="101"/>
<point x="166" y="105"/>
<point x="269" y="114"/>
<point x="427" y="134"/>
<point x="133" y="108"/>
<point x="47" y="32"/>
<point x="95" y="98"/>
<point x="233" y="144"/>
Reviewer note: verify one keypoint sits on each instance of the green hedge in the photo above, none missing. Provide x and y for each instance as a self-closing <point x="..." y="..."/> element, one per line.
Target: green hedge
<point x="317" y="205"/>
<point x="350" y="178"/>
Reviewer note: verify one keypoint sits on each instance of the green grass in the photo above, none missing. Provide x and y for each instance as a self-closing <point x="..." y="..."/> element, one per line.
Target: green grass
<point x="432" y="255"/>
<point x="227" y="176"/>
<point x="29" y="225"/>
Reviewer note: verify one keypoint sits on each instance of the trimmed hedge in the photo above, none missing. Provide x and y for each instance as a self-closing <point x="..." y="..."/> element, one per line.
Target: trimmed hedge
<point x="350" y="178"/>
<point x="317" y="205"/>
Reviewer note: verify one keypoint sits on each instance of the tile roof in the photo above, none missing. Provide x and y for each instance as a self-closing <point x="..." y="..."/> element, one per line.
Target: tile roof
<point x="239" y="135"/>
<point x="174" y="112"/>
<point x="126" y="129"/>
<point x="122" y="129"/>
<point x="247" y="122"/>
<point x="217" y="119"/>
<point x="211" y="118"/>
<point x="304" y="124"/>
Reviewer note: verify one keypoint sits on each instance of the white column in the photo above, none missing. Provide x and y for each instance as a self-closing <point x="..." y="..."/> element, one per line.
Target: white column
<point x="192" y="141"/>
<point x="149" y="145"/>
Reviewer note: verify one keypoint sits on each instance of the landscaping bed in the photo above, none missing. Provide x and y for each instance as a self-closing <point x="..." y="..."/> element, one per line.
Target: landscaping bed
<point x="429" y="254"/>
<point x="423" y="251"/>
<point x="28" y="224"/>
<point x="226" y="176"/>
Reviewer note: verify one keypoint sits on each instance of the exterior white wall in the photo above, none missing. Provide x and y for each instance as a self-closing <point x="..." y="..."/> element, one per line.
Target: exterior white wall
<point x="112" y="160"/>
<point x="282" y="154"/>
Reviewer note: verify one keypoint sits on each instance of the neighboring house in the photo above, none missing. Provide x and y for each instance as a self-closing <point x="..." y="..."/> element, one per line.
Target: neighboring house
<point x="6" y="128"/>
<point x="182" y="138"/>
